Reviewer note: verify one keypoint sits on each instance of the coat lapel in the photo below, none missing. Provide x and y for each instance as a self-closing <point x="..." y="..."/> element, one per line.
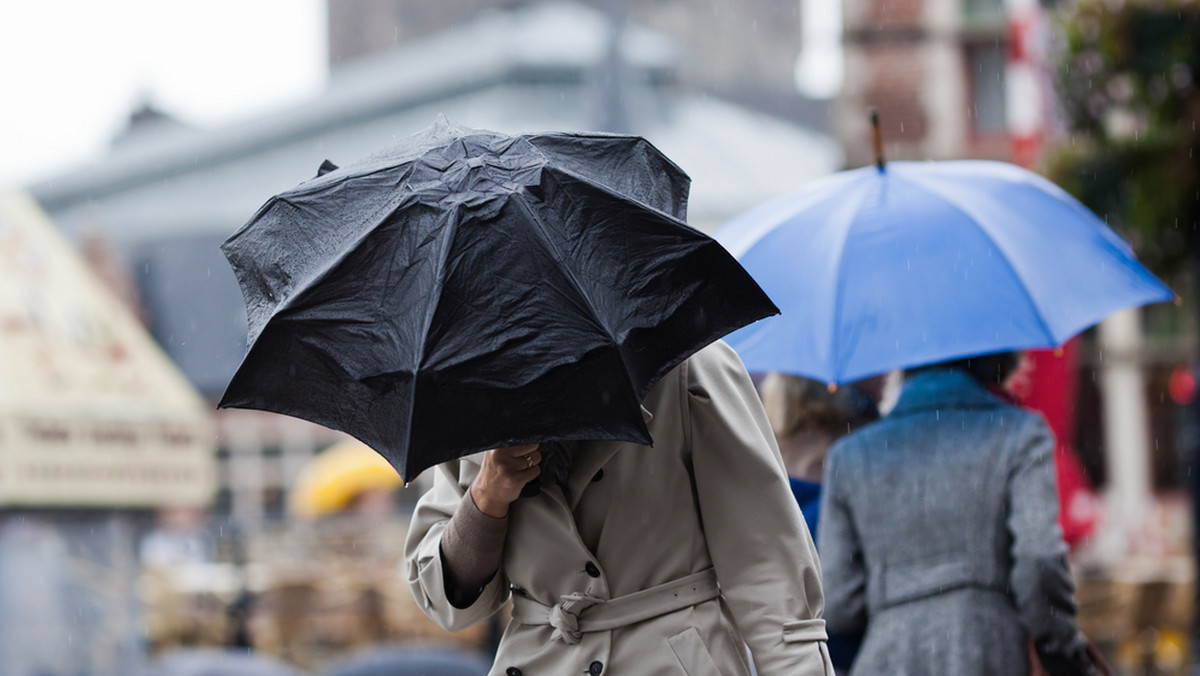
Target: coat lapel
<point x="590" y="456"/>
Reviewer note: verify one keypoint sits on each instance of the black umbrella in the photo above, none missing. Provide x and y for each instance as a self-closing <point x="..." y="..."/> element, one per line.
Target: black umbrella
<point x="465" y="290"/>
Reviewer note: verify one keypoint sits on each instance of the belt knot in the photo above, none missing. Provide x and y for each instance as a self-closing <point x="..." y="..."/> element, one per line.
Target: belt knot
<point x="564" y="616"/>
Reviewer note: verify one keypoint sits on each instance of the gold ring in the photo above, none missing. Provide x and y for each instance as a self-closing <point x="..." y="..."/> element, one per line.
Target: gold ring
<point x="528" y="460"/>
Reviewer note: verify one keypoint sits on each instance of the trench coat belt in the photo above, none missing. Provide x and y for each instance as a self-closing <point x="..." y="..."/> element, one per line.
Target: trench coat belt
<point x="577" y="614"/>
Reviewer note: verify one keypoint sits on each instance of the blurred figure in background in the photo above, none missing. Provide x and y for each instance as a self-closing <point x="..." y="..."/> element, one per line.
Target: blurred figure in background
<point x="346" y="478"/>
<point x="180" y="537"/>
<point x="807" y="416"/>
<point x="939" y="533"/>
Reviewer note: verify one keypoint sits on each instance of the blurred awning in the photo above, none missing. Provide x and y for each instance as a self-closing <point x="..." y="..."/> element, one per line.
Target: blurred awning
<point x="92" y="413"/>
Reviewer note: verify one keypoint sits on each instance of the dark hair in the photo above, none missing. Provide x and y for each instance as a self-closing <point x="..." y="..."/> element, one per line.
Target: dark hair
<point x="988" y="369"/>
<point x="794" y="404"/>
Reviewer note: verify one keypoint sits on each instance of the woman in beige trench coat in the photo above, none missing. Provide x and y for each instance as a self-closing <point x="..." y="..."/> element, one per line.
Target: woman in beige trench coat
<point x="652" y="560"/>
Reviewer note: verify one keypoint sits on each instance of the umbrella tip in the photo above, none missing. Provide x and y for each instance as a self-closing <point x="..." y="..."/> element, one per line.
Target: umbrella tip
<point x="1178" y="300"/>
<point x="877" y="139"/>
<point x="832" y="387"/>
<point x="1058" y="351"/>
<point x="326" y="167"/>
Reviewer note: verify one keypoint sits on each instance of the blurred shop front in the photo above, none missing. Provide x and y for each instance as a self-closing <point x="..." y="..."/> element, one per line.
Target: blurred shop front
<point x="97" y="429"/>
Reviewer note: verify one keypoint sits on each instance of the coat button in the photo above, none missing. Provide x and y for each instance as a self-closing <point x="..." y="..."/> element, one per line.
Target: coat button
<point x="595" y="668"/>
<point x="512" y="671"/>
<point x="599" y="474"/>
<point x="591" y="569"/>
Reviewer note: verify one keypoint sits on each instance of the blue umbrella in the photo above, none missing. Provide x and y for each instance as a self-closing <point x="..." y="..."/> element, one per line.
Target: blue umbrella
<point x="876" y="269"/>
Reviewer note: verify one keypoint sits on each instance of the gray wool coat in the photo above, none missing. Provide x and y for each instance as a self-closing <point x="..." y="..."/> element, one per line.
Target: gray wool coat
<point x="711" y="494"/>
<point x="939" y="536"/>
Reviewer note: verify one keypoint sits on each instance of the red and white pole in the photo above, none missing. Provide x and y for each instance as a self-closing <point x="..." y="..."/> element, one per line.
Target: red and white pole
<point x="1024" y="80"/>
<point x="1049" y="385"/>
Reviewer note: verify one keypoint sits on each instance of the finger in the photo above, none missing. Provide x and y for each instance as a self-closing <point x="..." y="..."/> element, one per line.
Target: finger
<point x="521" y="462"/>
<point x="515" y="451"/>
<point x="527" y="475"/>
<point x="520" y="467"/>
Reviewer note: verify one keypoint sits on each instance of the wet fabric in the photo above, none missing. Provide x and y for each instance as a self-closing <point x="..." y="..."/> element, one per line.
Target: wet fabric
<point x="924" y="262"/>
<point x="939" y="536"/>
<point x="464" y="290"/>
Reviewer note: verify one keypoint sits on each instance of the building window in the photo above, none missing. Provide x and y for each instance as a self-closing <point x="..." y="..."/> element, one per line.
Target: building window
<point x="985" y="76"/>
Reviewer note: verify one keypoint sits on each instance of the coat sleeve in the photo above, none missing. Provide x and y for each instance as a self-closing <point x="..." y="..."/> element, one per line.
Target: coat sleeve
<point x="1040" y="578"/>
<point x="423" y="553"/>
<point x="763" y="555"/>
<point x="845" y="577"/>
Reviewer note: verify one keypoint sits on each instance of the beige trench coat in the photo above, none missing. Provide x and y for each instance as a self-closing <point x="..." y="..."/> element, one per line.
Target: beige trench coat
<point x="710" y="493"/>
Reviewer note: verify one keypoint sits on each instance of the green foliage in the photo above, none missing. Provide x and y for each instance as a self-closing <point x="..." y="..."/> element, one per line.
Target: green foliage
<point x="1129" y="84"/>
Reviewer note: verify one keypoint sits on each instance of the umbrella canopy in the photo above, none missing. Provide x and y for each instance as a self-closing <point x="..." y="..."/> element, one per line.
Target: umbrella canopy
<point x="465" y="289"/>
<point x="918" y="263"/>
<point x="333" y="477"/>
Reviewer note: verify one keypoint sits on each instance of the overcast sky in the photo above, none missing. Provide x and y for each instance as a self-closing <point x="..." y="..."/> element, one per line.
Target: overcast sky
<point x="71" y="70"/>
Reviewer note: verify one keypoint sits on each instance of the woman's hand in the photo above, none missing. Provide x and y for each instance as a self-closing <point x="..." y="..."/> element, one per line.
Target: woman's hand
<point x="504" y="473"/>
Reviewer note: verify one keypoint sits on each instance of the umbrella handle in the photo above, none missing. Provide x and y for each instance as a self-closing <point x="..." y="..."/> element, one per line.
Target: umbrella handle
<point x="877" y="139"/>
<point x="532" y="488"/>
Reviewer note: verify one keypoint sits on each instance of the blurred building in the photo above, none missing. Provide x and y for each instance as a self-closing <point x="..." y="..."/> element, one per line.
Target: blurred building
<point x="92" y="412"/>
<point x="744" y="51"/>
<point x="97" y="428"/>
<point x="167" y="195"/>
<point x="955" y="79"/>
<point x="934" y="69"/>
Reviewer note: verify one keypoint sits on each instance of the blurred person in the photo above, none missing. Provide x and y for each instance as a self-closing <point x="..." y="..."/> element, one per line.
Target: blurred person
<point x="180" y="537"/>
<point x="939" y="533"/>
<point x="632" y="560"/>
<point x="347" y="478"/>
<point x="807" y="416"/>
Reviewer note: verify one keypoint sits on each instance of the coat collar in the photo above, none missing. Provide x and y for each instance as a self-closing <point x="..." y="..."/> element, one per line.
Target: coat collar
<point x="589" y="458"/>
<point x="942" y="388"/>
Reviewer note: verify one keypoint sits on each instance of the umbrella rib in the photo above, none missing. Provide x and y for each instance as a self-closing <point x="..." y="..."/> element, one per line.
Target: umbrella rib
<point x="978" y="223"/>
<point x="570" y="276"/>
<point x="615" y="195"/>
<point x="839" y="282"/>
<point x="449" y="231"/>
<point x="781" y="210"/>
<point x="371" y="223"/>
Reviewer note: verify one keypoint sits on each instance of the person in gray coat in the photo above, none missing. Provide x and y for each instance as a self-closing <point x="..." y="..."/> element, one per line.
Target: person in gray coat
<point x="939" y="533"/>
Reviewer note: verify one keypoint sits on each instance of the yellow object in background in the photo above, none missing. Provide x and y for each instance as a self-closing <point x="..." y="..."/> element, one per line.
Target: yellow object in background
<point x="331" y="481"/>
